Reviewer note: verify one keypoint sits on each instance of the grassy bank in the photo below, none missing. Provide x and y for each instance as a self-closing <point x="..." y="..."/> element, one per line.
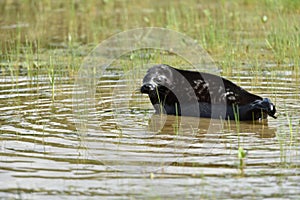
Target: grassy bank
<point x="233" y="32"/>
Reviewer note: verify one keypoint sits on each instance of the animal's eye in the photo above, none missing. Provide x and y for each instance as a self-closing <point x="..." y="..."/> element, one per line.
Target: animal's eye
<point x="157" y="80"/>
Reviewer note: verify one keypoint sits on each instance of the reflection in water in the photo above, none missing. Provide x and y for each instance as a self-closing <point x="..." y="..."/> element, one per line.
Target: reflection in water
<point x="200" y="126"/>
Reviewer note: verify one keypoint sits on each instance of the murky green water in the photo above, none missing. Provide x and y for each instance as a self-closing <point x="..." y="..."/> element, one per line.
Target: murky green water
<point x="126" y="152"/>
<point x="132" y="153"/>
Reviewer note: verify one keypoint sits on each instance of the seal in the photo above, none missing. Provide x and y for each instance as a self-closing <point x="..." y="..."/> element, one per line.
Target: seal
<point x="181" y="92"/>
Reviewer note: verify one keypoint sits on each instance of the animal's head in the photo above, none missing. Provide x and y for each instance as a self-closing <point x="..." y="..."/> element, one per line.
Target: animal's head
<point x="158" y="83"/>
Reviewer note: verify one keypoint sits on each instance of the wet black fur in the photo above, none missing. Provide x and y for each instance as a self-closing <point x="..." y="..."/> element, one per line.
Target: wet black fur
<point x="181" y="92"/>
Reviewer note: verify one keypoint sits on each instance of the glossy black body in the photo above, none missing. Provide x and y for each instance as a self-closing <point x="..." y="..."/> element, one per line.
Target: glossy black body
<point x="181" y="92"/>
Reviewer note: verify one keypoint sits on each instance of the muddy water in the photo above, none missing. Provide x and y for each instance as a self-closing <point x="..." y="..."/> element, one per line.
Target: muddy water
<point x="127" y="152"/>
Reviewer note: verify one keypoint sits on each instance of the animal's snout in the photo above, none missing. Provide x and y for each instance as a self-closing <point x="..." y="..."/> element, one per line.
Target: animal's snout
<point x="146" y="88"/>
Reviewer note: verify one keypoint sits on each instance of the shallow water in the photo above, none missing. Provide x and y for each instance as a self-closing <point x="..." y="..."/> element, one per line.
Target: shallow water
<point x="126" y="151"/>
<point x="122" y="150"/>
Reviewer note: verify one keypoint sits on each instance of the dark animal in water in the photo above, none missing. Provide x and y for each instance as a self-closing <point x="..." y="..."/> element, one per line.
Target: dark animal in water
<point x="181" y="92"/>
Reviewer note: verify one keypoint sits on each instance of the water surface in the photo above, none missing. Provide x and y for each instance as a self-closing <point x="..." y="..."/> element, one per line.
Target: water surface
<point x="130" y="152"/>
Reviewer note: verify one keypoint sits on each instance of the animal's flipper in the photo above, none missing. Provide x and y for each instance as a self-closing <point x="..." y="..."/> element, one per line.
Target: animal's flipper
<point x="266" y="106"/>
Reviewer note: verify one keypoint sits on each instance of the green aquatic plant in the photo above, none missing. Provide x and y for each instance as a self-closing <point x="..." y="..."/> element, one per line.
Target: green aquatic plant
<point x="241" y="158"/>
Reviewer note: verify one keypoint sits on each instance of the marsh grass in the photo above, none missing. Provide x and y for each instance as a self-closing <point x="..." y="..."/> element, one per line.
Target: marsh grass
<point x="288" y="140"/>
<point x="219" y="26"/>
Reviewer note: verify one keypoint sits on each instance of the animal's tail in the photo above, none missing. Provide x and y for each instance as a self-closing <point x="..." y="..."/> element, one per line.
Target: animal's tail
<point x="266" y="106"/>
